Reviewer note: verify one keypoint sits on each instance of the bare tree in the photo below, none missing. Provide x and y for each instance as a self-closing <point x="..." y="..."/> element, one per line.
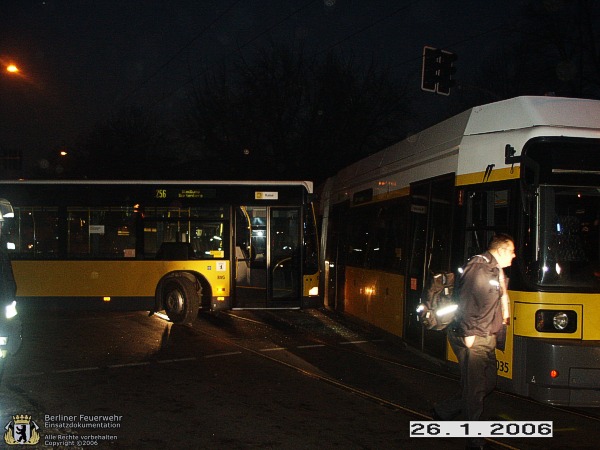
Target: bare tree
<point x="283" y="114"/>
<point x="132" y="145"/>
<point x="555" y="53"/>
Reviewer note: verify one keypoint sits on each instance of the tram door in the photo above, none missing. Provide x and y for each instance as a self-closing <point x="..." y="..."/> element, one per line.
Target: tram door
<point x="267" y="257"/>
<point x="430" y="250"/>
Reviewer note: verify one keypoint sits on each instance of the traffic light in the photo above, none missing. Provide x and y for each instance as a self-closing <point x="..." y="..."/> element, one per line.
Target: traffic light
<point x="429" y="74"/>
<point x="437" y="70"/>
<point x="445" y="73"/>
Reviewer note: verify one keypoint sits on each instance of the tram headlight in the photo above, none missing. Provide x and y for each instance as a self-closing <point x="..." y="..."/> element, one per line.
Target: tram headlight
<point x="555" y="321"/>
<point x="560" y="321"/>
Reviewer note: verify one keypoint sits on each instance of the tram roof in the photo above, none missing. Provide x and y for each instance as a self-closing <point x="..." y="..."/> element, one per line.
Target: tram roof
<point x="434" y="151"/>
<point x="527" y="112"/>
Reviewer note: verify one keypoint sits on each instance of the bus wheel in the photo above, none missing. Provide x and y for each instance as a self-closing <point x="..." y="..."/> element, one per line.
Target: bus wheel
<point x="180" y="300"/>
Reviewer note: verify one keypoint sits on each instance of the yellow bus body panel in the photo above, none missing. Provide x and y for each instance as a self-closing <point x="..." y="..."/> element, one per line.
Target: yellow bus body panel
<point x="375" y="297"/>
<point x="109" y="278"/>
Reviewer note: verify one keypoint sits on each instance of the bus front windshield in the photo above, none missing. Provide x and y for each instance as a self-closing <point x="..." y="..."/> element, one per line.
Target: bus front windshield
<point x="568" y="247"/>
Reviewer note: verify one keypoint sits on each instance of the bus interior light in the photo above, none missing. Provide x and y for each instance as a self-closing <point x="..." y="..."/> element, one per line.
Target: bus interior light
<point x="3" y="340"/>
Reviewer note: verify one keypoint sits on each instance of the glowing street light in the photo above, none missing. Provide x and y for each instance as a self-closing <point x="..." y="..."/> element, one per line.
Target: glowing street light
<point x="11" y="68"/>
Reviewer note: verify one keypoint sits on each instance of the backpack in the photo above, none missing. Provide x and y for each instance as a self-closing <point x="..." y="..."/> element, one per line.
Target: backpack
<point x="439" y="306"/>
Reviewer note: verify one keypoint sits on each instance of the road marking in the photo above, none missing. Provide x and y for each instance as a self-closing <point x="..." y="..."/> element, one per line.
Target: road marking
<point x="222" y="354"/>
<point x="80" y="369"/>
<point x="134" y="364"/>
<point x="167" y="361"/>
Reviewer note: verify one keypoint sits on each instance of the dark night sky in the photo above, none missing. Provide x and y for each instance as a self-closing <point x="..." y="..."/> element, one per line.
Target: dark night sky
<point x="82" y="60"/>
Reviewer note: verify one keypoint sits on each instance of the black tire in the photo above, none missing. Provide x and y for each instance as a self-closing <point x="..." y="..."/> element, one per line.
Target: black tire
<point x="180" y="300"/>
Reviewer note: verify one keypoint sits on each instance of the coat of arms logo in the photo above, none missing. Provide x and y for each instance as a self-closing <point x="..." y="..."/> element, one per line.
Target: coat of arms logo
<point x="21" y="430"/>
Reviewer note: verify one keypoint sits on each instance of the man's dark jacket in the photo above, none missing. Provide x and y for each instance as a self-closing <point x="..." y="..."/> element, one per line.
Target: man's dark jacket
<point x="480" y="310"/>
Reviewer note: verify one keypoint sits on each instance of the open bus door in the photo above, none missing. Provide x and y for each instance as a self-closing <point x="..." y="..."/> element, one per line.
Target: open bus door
<point x="268" y="269"/>
<point x="429" y="249"/>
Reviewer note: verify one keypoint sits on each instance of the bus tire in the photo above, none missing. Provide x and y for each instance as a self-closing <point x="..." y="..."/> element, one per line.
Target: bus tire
<point x="180" y="300"/>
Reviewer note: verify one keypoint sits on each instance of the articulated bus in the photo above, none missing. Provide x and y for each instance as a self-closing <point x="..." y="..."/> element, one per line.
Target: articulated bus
<point x="175" y="246"/>
<point x="528" y="166"/>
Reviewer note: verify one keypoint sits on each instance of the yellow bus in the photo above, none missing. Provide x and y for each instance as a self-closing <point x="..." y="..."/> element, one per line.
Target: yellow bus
<point x="175" y="246"/>
<point x="528" y="166"/>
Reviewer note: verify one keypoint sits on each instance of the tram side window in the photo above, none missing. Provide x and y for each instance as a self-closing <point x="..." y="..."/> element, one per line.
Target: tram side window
<point x="487" y="214"/>
<point x="34" y="231"/>
<point x="376" y="237"/>
<point x="357" y="243"/>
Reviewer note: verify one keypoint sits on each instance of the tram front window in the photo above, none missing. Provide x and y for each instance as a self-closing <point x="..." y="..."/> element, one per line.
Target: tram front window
<point x="568" y="240"/>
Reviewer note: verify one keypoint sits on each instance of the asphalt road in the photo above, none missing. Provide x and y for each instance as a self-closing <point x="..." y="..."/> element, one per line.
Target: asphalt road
<point x="237" y="380"/>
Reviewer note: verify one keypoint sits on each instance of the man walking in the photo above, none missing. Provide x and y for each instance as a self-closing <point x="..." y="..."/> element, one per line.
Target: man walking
<point x="483" y="311"/>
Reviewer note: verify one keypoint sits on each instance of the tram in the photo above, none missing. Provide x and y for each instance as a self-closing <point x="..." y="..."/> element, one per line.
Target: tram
<point x="527" y="166"/>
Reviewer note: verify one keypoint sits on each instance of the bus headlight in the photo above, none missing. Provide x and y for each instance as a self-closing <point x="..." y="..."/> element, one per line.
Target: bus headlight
<point x="555" y="321"/>
<point x="560" y="321"/>
<point x="11" y="310"/>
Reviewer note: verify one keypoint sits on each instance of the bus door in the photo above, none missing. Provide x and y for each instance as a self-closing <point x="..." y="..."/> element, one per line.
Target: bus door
<point x="268" y="272"/>
<point x="429" y="252"/>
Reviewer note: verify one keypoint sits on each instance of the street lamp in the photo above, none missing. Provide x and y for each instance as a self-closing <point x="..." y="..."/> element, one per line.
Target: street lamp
<point x="11" y="68"/>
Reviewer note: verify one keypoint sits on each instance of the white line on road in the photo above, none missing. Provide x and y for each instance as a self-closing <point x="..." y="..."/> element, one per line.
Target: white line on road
<point x="223" y="354"/>
<point x="167" y="361"/>
<point x="135" y="364"/>
<point x="80" y="369"/>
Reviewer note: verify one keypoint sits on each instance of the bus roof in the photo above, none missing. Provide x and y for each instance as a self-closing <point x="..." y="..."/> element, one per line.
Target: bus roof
<point x="308" y="185"/>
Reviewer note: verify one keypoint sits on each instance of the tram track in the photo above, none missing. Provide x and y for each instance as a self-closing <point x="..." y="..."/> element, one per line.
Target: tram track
<point x="335" y="382"/>
<point x="595" y="416"/>
<point x="365" y="393"/>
